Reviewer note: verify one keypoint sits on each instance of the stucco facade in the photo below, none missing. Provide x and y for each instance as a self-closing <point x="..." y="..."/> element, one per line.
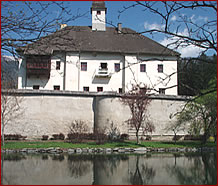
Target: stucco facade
<point x="51" y="112"/>
<point x="71" y="76"/>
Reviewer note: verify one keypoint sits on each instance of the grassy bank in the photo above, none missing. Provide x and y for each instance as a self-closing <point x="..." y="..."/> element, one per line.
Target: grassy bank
<point x="127" y="144"/>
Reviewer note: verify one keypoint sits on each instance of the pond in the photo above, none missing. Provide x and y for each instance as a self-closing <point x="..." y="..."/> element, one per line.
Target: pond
<point x="110" y="169"/>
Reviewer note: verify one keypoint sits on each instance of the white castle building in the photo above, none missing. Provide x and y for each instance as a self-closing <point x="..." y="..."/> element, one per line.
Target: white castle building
<point x="97" y="58"/>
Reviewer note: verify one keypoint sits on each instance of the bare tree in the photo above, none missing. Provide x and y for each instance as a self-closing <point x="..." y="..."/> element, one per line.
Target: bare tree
<point x="25" y="22"/>
<point x="137" y="99"/>
<point x="175" y="127"/>
<point x="174" y="21"/>
<point x="10" y="101"/>
<point x="10" y="109"/>
<point x="76" y="131"/>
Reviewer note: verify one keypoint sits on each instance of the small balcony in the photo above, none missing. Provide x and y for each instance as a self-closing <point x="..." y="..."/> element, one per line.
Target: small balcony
<point x="102" y="72"/>
<point x="38" y="72"/>
<point x="38" y="66"/>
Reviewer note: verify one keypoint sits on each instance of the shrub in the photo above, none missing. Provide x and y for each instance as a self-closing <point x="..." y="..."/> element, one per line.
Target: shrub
<point x="84" y="136"/>
<point x="58" y="136"/>
<point x="148" y="137"/>
<point x="89" y="136"/>
<point x="75" y="137"/>
<point x="177" y="137"/>
<point x="192" y="137"/>
<point x="77" y="131"/>
<point x="14" y="137"/>
<point x="114" y="133"/>
<point x="124" y="136"/>
<point x="44" y="137"/>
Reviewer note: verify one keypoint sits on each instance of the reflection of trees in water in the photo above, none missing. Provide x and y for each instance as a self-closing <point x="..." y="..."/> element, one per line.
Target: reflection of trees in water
<point x="58" y="157"/>
<point x="8" y="180"/>
<point x="142" y="175"/>
<point x="13" y="157"/>
<point x="110" y="163"/>
<point x="45" y="157"/>
<point x="79" y="165"/>
<point x="210" y="164"/>
<point x="106" y="165"/>
<point x="201" y="170"/>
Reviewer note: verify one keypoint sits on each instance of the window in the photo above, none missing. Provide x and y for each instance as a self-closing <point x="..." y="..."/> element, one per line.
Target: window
<point x="162" y="90"/>
<point x="83" y="66"/>
<point x="160" y="68"/>
<point x="99" y="89"/>
<point x="56" y="87"/>
<point x="58" y="65"/>
<point x="117" y="67"/>
<point x="98" y="12"/>
<point x="142" y="68"/>
<point x="35" y="87"/>
<point x="86" y="89"/>
<point x="103" y="65"/>
<point x="120" y="90"/>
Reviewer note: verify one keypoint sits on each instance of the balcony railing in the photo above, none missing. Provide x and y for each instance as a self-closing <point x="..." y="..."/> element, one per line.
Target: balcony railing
<point x="102" y="72"/>
<point x="38" y="72"/>
<point x="38" y="66"/>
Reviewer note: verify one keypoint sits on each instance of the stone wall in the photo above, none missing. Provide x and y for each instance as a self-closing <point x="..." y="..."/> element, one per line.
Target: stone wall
<point x="51" y="112"/>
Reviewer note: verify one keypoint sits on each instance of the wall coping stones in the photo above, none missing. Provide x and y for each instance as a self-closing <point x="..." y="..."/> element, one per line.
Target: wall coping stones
<point x="140" y="149"/>
<point x="26" y="92"/>
<point x="107" y="150"/>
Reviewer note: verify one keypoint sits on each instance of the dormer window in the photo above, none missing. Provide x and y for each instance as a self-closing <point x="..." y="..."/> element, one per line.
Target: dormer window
<point x="98" y="12"/>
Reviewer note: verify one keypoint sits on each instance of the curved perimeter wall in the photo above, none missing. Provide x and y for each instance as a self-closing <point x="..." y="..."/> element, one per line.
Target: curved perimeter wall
<point x="51" y="112"/>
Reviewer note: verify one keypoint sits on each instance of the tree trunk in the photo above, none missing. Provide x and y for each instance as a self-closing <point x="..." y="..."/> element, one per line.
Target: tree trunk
<point x="137" y="137"/>
<point x="174" y="138"/>
<point x="3" y="140"/>
<point x="205" y="137"/>
<point x="2" y="133"/>
<point x="174" y="131"/>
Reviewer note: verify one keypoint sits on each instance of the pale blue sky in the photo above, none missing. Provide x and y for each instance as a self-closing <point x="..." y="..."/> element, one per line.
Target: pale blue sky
<point x="134" y="18"/>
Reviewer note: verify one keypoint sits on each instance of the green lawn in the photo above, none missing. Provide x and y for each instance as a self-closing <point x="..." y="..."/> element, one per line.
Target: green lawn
<point x="130" y="144"/>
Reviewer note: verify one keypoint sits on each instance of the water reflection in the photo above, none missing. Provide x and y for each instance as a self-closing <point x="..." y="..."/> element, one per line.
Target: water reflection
<point x="109" y="169"/>
<point x="142" y="175"/>
<point x="113" y="169"/>
<point x="201" y="170"/>
<point x="79" y="165"/>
